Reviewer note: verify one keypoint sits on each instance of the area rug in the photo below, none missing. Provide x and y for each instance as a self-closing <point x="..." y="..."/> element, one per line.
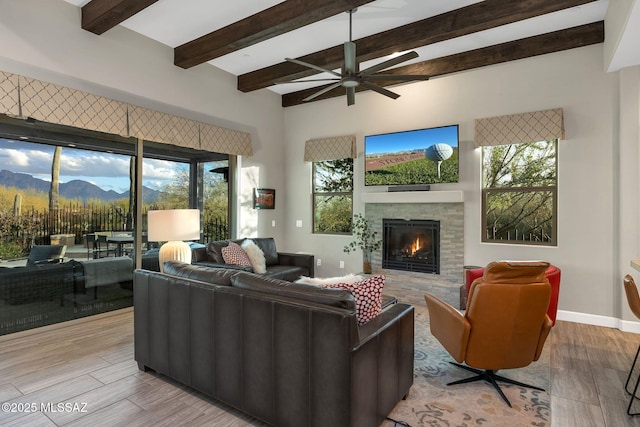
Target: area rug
<point x="432" y="403"/>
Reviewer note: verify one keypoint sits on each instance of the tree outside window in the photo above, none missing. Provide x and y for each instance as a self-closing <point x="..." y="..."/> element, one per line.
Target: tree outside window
<point x="519" y="195"/>
<point x="333" y="196"/>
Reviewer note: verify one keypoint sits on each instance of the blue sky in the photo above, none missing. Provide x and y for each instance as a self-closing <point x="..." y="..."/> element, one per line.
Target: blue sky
<point x="410" y="140"/>
<point x="108" y="171"/>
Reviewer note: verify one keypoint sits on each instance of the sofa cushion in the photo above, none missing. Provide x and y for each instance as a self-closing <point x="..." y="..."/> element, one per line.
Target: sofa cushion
<point x="234" y="254"/>
<point x="218" y="276"/>
<point x="286" y="272"/>
<point x="214" y="250"/>
<point x="268" y="246"/>
<point x="368" y="296"/>
<point x="332" y="297"/>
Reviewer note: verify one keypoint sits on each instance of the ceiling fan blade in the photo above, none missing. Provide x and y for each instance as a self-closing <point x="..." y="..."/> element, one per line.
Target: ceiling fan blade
<point x="380" y="90"/>
<point x="350" y="65"/>
<point x="389" y="63"/>
<point x="390" y="77"/>
<point x="351" y="96"/>
<point x="305" y="81"/>
<point x="314" y="67"/>
<point x="320" y="92"/>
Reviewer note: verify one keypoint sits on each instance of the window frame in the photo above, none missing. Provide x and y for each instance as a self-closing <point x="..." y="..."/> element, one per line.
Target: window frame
<point x="315" y="194"/>
<point x="553" y="189"/>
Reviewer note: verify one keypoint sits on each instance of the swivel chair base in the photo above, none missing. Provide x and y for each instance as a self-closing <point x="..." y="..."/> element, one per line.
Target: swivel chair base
<point x="491" y="377"/>
<point x="633" y="394"/>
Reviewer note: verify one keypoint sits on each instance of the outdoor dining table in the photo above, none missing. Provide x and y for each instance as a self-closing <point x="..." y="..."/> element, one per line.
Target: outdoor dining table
<point x="120" y="241"/>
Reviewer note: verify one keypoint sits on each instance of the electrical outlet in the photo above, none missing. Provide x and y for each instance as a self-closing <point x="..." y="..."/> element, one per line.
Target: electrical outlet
<point x="318" y="262"/>
<point x="341" y="264"/>
<point x="273" y="222"/>
<point x="299" y="223"/>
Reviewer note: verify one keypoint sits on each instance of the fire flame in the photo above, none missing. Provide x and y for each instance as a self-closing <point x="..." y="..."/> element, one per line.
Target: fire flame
<point x="416" y="246"/>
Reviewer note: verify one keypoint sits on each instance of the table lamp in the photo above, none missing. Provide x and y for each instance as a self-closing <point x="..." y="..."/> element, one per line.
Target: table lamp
<point x="173" y="226"/>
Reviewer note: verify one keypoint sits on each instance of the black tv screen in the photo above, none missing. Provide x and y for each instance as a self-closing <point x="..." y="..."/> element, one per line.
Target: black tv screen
<point x="423" y="156"/>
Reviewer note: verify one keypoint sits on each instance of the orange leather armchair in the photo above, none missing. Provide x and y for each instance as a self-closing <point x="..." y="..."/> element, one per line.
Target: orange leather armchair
<point x="553" y="274"/>
<point x="505" y="325"/>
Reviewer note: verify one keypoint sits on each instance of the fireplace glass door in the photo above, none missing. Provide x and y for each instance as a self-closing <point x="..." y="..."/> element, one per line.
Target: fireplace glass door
<point x="411" y="245"/>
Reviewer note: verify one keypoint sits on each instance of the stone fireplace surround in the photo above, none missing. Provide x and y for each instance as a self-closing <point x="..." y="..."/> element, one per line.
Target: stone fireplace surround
<point x="423" y="205"/>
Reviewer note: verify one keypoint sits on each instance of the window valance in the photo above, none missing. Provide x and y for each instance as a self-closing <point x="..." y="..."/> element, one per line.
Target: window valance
<point x="518" y="128"/>
<point x="25" y="97"/>
<point x="9" y="96"/>
<point x="333" y="148"/>
<point x="51" y="103"/>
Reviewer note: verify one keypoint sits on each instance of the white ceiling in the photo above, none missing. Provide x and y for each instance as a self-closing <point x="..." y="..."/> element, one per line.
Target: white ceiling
<point x="174" y="22"/>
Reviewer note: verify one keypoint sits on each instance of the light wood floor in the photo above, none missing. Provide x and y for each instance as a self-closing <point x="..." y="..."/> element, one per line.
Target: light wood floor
<point x="91" y="362"/>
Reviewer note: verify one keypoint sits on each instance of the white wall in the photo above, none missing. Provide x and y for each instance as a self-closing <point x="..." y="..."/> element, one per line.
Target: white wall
<point x="43" y="39"/>
<point x="587" y="216"/>
<point x="628" y="179"/>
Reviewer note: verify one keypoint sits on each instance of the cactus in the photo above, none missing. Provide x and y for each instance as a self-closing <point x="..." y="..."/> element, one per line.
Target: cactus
<point x="17" y="205"/>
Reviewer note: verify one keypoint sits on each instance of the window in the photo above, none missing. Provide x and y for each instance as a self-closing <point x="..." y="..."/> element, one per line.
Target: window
<point x="519" y="194"/>
<point x="93" y="201"/>
<point x="332" y="196"/>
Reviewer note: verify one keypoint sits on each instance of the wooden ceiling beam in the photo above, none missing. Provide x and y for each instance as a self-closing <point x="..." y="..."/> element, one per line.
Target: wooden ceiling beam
<point x="467" y="20"/>
<point x="279" y="19"/>
<point x="99" y="16"/>
<point x="557" y="41"/>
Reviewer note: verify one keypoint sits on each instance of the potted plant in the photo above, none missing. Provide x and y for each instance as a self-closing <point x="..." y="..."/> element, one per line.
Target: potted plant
<point x="365" y="240"/>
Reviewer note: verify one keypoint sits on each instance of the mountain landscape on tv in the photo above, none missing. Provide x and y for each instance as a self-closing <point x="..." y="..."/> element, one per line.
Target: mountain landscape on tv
<point x="422" y="156"/>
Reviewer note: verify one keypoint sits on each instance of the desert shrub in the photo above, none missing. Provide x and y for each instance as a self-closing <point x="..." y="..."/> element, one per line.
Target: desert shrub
<point x="10" y="250"/>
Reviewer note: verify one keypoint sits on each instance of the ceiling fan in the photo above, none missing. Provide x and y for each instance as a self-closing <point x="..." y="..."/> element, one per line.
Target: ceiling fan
<point x="351" y="77"/>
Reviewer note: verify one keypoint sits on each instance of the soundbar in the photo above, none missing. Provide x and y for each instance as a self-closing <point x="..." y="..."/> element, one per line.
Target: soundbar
<point x="395" y="188"/>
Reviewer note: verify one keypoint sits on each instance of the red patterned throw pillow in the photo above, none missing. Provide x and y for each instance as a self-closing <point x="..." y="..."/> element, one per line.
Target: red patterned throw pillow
<point x="368" y="296"/>
<point x="235" y="255"/>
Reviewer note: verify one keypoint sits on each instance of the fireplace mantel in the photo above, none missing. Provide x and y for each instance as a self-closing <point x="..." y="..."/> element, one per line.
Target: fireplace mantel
<point x="454" y="196"/>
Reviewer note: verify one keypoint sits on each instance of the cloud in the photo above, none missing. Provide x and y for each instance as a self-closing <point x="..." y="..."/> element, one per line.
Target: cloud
<point x="93" y="164"/>
<point x="25" y="161"/>
<point x="158" y="169"/>
<point x="109" y="171"/>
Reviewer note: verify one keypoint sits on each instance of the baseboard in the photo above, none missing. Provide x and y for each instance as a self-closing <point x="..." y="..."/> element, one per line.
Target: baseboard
<point x="597" y="320"/>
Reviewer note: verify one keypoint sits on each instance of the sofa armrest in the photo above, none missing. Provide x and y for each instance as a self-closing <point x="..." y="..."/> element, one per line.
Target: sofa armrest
<point x="199" y="254"/>
<point x="383" y="321"/>
<point x="450" y="327"/>
<point x="382" y="365"/>
<point x="299" y="260"/>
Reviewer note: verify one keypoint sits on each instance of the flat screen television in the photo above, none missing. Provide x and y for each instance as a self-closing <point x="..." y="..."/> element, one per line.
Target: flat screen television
<point x="422" y="156"/>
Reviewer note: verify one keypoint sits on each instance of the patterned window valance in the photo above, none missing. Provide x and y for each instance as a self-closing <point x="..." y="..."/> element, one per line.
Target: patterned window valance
<point x="518" y="128"/>
<point x="334" y="148"/>
<point x="61" y="105"/>
<point x="156" y="126"/>
<point x="51" y="103"/>
<point x="9" y="94"/>
<point x="223" y="140"/>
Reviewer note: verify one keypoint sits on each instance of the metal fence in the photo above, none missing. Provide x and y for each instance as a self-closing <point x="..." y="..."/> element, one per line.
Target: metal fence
<point x="33" y="227"/>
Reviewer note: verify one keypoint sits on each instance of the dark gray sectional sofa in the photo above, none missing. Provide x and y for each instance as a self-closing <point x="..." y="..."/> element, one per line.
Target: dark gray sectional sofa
<point x="286" y="353"/>
<point x="280" y="265"/>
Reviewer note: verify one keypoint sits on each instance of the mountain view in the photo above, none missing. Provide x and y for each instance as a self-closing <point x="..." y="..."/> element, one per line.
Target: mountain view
<point x="73" y="189"/>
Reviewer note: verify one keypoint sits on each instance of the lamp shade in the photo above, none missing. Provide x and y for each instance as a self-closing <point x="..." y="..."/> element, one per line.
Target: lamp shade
<point x="173" y="224"/>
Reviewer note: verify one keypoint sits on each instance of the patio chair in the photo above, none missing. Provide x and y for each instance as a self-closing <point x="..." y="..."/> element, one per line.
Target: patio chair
<point x="46" y="254"/>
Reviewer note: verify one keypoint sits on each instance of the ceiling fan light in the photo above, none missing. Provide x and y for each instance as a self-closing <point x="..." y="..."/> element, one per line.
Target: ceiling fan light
<point x="350" y="82"/>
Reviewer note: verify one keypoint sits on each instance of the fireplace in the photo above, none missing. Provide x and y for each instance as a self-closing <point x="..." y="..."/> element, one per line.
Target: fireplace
<point x="411" y="245"/>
